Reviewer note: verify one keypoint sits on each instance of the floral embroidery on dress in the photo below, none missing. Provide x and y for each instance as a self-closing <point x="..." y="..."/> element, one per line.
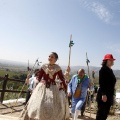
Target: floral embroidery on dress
<point x="54" y="68"/>
<point x="50" y="72"/>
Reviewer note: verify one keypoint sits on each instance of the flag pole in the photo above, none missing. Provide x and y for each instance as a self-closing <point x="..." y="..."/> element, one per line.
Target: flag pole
<point x="87" y="61"/>
<point x="33" y="67"/>
<point x="88" y="65"/>
<point x="70" y="45"/>
<point x="69" y="56"/>
<point x="24" y="84"/>
<point x="69" y="52"/>
<point x="28" y="68"/>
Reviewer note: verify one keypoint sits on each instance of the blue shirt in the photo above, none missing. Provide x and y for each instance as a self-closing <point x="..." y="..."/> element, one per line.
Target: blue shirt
<point x="73" y="85"/>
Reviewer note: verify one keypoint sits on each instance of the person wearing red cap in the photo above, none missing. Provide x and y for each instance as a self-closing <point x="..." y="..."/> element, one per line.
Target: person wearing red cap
<point x="107" y="82"/>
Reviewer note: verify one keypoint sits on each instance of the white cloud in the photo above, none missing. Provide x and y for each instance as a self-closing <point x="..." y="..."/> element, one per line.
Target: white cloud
<point x="99" y="9"/>
<point x="102" y="12"/>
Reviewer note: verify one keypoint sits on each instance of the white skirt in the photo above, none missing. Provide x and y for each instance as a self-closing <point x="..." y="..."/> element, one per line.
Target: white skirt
<point x="46" y="104"/>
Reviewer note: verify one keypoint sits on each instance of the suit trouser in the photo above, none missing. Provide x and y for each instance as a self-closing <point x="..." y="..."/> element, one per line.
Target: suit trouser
<point x="103" y="110"/>
<point x="77" y="104"/>
<point x="28" y="95"/>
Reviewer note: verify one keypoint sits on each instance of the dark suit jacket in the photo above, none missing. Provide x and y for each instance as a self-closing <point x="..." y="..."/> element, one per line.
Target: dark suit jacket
<point x="107" y="82"/>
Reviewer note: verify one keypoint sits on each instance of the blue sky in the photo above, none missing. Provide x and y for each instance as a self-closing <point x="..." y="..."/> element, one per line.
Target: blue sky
<point x="33" y="28"/>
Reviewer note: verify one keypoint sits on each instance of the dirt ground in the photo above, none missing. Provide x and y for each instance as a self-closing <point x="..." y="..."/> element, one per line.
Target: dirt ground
<point x="15" y="109"/>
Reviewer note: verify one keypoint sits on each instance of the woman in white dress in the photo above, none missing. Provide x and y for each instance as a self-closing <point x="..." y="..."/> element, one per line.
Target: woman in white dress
<point x="45" y="102"/>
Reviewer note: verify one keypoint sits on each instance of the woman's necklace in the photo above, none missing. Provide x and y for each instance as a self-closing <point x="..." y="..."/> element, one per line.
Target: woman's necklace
<point x="51" y="66"/>
<point x="51" y="70"/>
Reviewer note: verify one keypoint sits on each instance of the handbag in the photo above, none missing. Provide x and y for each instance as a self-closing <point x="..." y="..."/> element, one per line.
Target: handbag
<point x="77" y="93"/>
<point x="78" y="90"/>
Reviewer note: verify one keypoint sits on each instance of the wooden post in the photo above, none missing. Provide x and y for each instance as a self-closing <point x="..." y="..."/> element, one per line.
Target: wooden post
<point x="87" y="61"/>
<point x="69" y="56"/>
<point x="3" y="88"/>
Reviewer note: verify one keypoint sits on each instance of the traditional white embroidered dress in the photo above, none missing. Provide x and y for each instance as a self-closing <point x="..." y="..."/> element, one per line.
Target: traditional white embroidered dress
<point x="47" y="101"/>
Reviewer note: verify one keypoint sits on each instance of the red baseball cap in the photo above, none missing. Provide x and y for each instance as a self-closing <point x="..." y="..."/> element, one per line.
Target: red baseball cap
<point x="108" y="56"/>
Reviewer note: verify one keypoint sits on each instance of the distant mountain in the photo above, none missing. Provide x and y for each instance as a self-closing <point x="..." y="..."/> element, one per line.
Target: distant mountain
<point x="12" y="63"/>
<point x="23" y="66"/>
<point x="74" y="69"/>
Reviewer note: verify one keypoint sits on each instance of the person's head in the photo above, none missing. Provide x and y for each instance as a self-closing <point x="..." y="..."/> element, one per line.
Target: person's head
<point x="81" y="73"/>
<point x="108" y="60"/>
<point x="53" y="57"/>
<point x="36" y="72"/>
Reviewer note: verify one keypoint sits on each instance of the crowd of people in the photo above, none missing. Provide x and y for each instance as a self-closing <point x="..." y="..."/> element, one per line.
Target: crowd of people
<point x="50" y="93"/>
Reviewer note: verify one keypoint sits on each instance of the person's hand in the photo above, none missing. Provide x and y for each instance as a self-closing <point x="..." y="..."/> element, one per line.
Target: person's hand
<point x="68" y="69"/>
<point x="27" y="79"/>
<point x="28" y="76"/>
<point x="69" y="94"/>
<point x="104" y="98"/>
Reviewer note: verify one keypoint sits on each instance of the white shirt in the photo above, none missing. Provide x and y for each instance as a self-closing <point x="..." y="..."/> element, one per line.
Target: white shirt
<point x="32" y="83"/>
